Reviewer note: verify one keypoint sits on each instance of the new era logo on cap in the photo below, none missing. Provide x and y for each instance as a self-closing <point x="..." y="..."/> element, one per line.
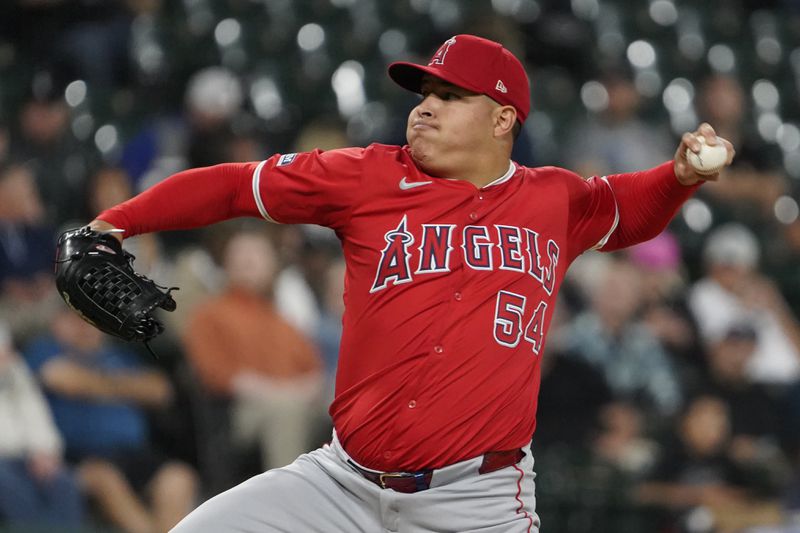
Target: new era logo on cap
<point x="476" y="64"/>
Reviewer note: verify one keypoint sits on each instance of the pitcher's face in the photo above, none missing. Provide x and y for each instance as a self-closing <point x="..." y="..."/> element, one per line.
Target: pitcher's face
<point x="448" y="125"/>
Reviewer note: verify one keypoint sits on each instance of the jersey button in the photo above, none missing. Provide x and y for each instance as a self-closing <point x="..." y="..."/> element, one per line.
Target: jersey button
<point x="473" y="216"/>
<point x="480" y="197"/>
<point x="412" y="404"/>
<point x="387" y="455"/>
<point x="457" y="296"/>
<point x="438" y="348"/>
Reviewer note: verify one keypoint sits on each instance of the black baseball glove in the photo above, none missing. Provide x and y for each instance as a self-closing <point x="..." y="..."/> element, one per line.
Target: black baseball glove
<point x="95" y="277"/>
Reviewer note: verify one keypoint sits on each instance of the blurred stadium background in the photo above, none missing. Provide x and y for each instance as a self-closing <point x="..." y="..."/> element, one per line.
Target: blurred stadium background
<point x="671" y="397"/>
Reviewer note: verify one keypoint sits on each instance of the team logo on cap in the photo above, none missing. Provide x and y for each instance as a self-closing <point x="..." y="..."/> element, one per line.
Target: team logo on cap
<point x="438" y="57"/>
<point x="501" y="87"/>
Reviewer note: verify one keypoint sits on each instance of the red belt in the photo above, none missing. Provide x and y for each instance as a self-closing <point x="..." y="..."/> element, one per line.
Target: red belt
<point x="409" y="482"/>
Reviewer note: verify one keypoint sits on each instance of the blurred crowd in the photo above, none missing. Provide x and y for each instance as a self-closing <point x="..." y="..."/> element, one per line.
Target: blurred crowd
<point x="670" y="397"/>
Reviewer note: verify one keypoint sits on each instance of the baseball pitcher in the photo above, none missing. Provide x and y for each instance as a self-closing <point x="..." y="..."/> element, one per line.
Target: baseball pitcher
<point x="454" y="255"/>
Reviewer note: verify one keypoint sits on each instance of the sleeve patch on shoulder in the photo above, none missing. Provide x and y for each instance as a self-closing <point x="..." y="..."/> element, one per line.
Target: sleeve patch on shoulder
<point x="286" y="159"/>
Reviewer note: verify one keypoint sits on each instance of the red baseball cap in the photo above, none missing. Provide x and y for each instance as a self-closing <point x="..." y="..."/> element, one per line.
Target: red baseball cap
<point x="475" y="64"/>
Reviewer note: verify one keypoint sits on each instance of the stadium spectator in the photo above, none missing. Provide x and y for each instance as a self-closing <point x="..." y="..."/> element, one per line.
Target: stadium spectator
<point x="37" y="490"/>
<point x="28" y="298"/>
<point x="758" y="435"/>
<point x="276" y="385"/>
<point x="695" y="472"/>
<point x="611" y="337"/>
<point x="665" y="309"/>
<point x="616" y="139"/>
<point x="733" y="291"/>
<point x="99" y="395"/>
<point x="44" y="143"/>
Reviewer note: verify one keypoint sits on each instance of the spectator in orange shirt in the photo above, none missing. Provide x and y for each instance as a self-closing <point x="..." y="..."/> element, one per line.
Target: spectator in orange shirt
<point x="242" y="348"/>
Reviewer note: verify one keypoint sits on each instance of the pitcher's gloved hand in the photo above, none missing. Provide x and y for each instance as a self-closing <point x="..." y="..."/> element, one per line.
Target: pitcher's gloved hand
<point x="95" y="277"/>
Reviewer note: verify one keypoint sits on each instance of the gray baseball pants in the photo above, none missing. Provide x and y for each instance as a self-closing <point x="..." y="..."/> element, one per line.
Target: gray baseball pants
<point x="321" y="492"/>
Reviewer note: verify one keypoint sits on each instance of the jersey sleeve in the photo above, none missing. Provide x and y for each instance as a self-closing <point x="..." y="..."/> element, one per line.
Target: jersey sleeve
<point x="593" y="213"/>
<point x="309" y="188"/>
<point x="621" y="210"/>
<point x="647" y="201"/>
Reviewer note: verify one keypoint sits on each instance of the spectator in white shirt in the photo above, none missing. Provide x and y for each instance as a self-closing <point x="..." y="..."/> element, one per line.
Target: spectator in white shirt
<point x="733" y="292"/>
<point x="36" y="489"/>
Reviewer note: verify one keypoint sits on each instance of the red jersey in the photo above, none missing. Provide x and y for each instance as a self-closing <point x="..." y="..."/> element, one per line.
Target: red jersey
<point x="449" y="289"/>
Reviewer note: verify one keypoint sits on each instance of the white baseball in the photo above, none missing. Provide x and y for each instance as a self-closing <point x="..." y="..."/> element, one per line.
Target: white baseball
<point x="710" y="159"/>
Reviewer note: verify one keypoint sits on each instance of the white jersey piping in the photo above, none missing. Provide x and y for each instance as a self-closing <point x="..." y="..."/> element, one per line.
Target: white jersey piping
<point x="257" y="191"/>
<point x="607" y="236"/>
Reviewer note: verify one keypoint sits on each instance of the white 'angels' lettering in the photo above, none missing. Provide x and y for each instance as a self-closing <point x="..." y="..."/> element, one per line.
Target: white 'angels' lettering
<point x="434" y="251"/>
<point x="543" y="273"/>
<point x="477" y="247"/>
<point x="509" y="244"/>
<point x="436" y="247"/>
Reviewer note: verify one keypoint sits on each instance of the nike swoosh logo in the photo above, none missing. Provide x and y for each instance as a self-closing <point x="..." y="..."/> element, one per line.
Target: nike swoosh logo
<point x="405" y="185"/>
